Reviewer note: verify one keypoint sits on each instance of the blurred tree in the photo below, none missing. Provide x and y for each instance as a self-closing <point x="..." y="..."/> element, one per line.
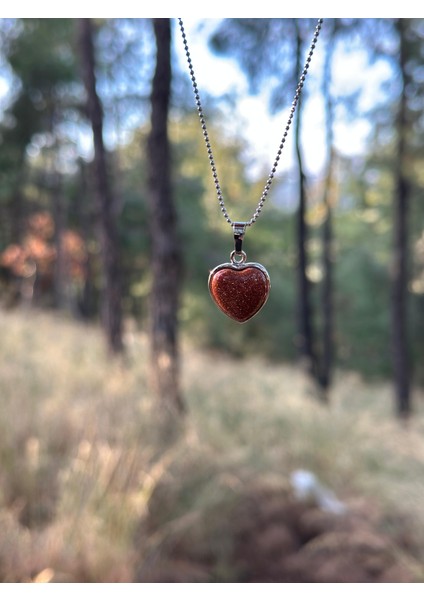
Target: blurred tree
<point x="39" y="52"/>
<point x="306" y="336"/>
<point x="20" y="122"/>
<point x="396" y="160"/>
<point x="111" y="296"/>
<point x="265" y="49"/>
<point x="33" y="92"/>
<point x="400" y="349"/>
<point x="165" y="246"/>
<point x="327" y="302"/>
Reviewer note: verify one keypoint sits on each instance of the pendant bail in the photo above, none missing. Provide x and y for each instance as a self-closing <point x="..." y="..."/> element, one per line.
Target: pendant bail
<point x="239" y="229"/>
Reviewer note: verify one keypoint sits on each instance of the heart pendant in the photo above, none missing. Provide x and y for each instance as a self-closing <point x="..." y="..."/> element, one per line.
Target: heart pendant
<point x="239" y="289"/>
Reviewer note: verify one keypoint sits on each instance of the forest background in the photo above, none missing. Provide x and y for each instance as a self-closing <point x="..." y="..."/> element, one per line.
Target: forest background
<point x="109" y="219"/>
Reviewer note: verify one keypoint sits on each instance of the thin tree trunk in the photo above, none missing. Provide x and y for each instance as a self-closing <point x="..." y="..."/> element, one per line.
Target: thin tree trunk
<point x="305" y="329"/>
<point x="165" y="248"/>
<point x="327" y="298"/>
<point x="111" y="308"/>
<point x="400" y="250"/>
<point x="326" y="365"/>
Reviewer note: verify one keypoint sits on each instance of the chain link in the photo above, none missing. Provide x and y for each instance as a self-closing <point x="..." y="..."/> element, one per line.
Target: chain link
<point x="280" y="147"/>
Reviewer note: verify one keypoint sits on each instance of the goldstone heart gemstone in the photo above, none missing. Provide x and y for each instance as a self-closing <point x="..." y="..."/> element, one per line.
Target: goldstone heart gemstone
<point x="240" y="291"/>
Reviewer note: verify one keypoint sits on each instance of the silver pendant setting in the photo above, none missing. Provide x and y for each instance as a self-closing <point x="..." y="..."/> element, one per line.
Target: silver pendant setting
<point x="239" y="288"/>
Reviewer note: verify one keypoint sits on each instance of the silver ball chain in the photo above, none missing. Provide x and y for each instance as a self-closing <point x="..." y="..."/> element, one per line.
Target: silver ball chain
<point x="281" y="146"/>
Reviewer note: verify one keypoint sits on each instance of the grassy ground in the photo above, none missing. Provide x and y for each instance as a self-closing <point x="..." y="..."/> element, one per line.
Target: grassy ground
<point x="87" y="493"/>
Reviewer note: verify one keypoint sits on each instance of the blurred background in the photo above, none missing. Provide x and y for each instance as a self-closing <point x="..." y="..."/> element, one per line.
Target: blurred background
<point x="144" y="436"/>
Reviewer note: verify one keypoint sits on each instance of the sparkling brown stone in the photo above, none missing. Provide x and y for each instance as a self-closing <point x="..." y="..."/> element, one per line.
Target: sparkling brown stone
<point x="240" y="292"/>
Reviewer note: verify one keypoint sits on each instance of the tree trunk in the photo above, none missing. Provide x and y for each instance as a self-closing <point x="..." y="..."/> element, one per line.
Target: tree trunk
<point x="305" y="329"/>
<point x="111" y="308"/>
<point x="400" y="250"/>
<point x="326" y="365"/>
<point x="165" y="248"/>
<point x="327" y="297"/>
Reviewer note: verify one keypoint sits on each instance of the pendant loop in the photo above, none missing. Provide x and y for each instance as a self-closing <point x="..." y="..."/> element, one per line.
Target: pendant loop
<point x="239" y="229"/>
<point x="238" y="258"/>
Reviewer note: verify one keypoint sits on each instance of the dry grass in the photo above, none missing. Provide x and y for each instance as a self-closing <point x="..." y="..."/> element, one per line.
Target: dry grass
<point x="80" y="459"/>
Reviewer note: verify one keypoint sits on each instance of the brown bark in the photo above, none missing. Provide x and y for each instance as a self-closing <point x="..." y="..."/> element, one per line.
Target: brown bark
<point x="326" y="363"/>
<point x="305" y="329"/>
<point x="327" y="295"/>
<point x="111" y="297"/>
<point x="165" y="248"/>
<point x="400" y="248"/>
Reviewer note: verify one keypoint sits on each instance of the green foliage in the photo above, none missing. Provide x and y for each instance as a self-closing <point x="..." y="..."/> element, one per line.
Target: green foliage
<point x="42" y="59"/>
<point x="43" y="123"/>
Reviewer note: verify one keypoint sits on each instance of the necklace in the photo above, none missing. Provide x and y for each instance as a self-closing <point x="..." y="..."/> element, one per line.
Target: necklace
<point x="239" y="288"/>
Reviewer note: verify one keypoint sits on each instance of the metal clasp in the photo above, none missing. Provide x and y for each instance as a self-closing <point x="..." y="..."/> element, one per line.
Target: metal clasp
<point x="237" y="256"/>
<point x="239" y="229"/>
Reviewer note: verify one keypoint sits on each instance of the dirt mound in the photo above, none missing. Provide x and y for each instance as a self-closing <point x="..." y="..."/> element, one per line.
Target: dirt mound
<point x="272" y="537"/>
<point x="284" y="540"/>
